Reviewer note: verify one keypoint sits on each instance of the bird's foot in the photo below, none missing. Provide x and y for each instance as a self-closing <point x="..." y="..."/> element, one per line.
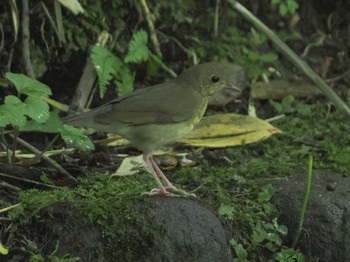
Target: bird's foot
<point x="181" y="192"/>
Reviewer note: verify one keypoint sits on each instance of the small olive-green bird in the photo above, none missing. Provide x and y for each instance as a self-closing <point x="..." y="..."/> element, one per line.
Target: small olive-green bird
<point x="153" y="117"/>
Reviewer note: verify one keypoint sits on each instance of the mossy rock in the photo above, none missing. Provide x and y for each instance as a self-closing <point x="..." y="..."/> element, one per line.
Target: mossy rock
<point x="144" y="229"/>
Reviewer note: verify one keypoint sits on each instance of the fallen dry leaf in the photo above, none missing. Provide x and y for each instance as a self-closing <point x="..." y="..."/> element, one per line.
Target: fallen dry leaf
<point x="131" y="165"/>
<point x="224" y="130"/>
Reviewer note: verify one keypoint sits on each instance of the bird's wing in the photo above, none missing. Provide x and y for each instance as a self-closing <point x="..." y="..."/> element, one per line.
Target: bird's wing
<point x="160" y="104"/>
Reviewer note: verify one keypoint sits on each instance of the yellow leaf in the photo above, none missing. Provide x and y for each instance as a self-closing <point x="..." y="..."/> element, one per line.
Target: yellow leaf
<point x="224" y="130"/>
<point x="3" y="250"/>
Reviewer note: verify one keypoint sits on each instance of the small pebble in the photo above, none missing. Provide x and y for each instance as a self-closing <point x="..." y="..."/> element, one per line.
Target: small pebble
<point x="331" y="187"/>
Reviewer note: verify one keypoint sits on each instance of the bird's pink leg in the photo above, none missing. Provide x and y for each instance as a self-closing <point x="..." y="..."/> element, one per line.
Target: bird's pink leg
<point x="169" y="185"/>
<point x="161" y="191"/>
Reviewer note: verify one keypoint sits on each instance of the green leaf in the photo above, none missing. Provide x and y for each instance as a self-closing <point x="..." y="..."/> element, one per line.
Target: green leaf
<point x="303" y="110"/>
<point x="275" y="2"/>
<point x="52" y="125"/>
<point x="292" y="6"/>
<point x="259" y="234"/>
<point x="28" y="86"/>
<point x="12" y="112"/>
<point x="75" y="136"/>
<point x="267" y="192"/>
<point x="106" y="65"/>
<point x="138" y="50"/>
<point x="289" y="254"/>
<point x="268" y="57"/>
<point x="226" y="211"/>
<point x="285" y="106"/>
<point x="282" y="229"/>
<point x="283" y="10"/>
<point x="241" y="253"/>
<point x="126" y="83"/>
<point x="37" y="108"/>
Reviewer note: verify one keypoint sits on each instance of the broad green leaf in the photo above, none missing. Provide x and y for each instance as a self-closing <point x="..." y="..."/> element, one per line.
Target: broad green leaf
<point x="12" y="112"/>
<point x="138" y="50"/>
<point x="125" y="81"/>
<point x="52" y="125"/>
<point x="226" y="211"/>
<point x="106" y="65"/>
<point x="266" y="194"/>
<point x="283" y="10"/>
<point x="12" y="100"/>
<point x="37" y="108"/>
<point x="241" y="253"/>
<point x="75" y="136"/>
<point x="28" y="86"/>
<point x="259" y="234"/>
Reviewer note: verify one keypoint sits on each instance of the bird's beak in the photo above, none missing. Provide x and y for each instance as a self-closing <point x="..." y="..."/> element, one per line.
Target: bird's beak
<point x="235" y="88"/>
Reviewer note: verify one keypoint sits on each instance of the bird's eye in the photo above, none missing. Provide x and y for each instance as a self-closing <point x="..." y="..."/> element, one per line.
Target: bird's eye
<point x="215" y="78"/>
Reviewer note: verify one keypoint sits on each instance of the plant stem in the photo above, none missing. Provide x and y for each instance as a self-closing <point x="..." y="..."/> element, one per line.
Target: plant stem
<point x="14" y="146"/>
<point x="152" y="30"/>
<point x="306" y="199"/>
<point x="5" y="145"/>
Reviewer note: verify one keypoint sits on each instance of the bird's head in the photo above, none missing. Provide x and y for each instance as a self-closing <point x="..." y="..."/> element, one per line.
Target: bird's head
<point x="210" y="78"/>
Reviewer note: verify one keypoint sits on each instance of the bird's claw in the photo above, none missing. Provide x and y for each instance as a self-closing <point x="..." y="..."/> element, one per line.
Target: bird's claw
<point x="180" y="191"/>
<point x="164" y="192"/>
<point x="159" y="192"/>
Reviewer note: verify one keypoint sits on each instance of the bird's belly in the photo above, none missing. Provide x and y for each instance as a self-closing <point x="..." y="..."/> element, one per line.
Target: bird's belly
<point x="149" y="138"/>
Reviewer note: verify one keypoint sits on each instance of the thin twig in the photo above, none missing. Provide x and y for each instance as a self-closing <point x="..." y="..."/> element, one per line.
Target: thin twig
<point x="28" y="181"/>
<point x="15" y="18"/>
<point x="46" y="158"/>
<point x="14" y="146"/>
<point x="9" y="208"/>
<point x="25" y="40"/>
<point x="50" y="19"/>
<point x="189" y="52"/>
<point x="6" y="145"/>
<point x="58" y="14"/>
<point x="9" y="186"/>
<point x="49" y="146"/>
<point x="42" y="184"/>
<point x="285" y="50"/>
<point x="152" y="30"/>
<point x="216" y="18"/>
<point x="2" y="37"/>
